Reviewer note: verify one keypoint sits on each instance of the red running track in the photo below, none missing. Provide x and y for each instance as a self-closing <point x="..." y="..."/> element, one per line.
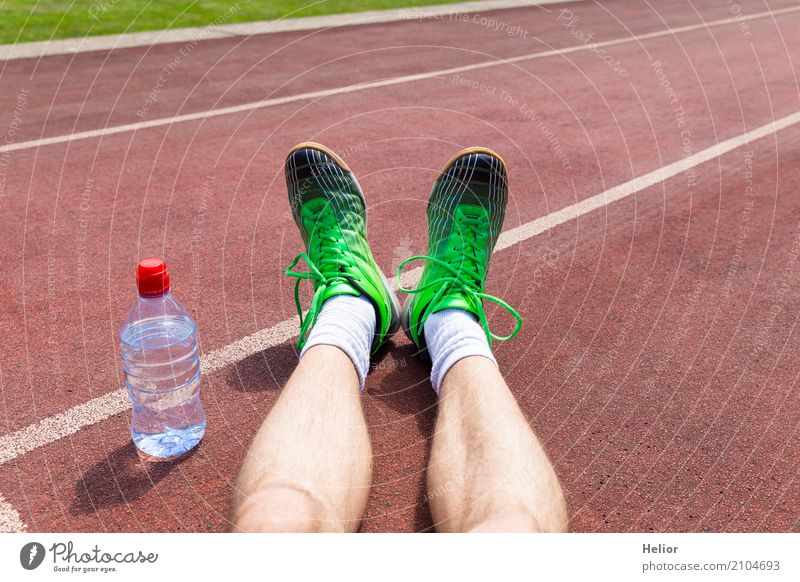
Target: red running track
<point x="656" y="361"/>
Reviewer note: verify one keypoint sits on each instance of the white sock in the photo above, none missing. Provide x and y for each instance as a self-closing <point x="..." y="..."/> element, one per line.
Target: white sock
<point x="453" y="334"/>
<point x="347" y="322"/>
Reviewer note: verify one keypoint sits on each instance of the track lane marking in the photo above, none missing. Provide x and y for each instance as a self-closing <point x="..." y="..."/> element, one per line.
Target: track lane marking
<point x="265" y="103"/>
<point x="71" y="46"/>
<point x="69" y="422"/>
<point x="540" y="225"/>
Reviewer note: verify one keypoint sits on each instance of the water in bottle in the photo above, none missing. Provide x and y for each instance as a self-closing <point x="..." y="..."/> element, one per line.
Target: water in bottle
<point x="161" y="361"/>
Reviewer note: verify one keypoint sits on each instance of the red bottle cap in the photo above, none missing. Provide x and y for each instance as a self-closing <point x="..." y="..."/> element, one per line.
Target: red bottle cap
<point x="152" y="278"/>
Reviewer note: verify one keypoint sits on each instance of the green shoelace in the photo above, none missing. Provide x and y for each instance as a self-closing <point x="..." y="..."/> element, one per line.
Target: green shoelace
<point x="330" y="266"/>
<point x="469" y="279"/>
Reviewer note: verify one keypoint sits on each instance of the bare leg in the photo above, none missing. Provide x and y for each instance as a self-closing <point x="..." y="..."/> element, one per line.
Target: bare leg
<point x="488" y="471"/>
<point x="310" y="464"/>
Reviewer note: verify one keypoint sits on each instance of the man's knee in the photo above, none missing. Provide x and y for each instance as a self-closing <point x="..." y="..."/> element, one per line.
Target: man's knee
<point x="507" y="524"/>
<point x="279" y="507"/>
<point x="522" y="522"/>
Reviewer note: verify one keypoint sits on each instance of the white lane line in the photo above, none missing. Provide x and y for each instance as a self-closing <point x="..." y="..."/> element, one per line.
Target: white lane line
<point x="264" y="103"/>
<point x="10" y="521"/>
<point x="540" y="225"/>
<point x="102" y="407"/>
<point x="69" y="422"/>
<point x="71" y="46"/>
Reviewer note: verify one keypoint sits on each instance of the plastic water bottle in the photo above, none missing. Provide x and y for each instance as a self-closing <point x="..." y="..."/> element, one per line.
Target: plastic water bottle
<point x="161" y="360"/>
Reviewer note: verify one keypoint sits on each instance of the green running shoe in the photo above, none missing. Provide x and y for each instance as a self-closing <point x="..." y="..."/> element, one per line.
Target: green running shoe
<point x="329" y="209"/>
<point x="466" y="209"/>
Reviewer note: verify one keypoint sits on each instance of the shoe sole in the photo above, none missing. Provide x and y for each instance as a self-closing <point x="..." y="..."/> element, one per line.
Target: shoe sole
<point x="465" y="152"/>
<point x="475" y="150"/>
<point x="327" y="151"/>
<point x="394" y="303"/>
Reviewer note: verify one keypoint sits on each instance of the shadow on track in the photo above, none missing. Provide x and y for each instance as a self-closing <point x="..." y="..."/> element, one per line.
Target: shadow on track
<point x="119" y="478"/>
